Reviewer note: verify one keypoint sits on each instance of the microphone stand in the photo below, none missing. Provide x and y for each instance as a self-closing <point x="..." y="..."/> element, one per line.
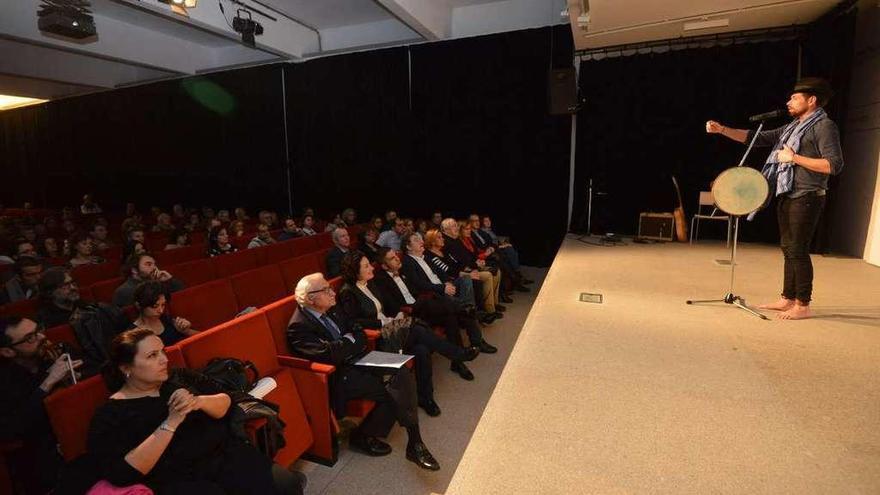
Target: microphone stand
<point x="730" y="297"/>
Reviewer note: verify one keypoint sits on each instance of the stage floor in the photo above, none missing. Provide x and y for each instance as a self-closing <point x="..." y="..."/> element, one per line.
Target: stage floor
<point x="645" y="394"/>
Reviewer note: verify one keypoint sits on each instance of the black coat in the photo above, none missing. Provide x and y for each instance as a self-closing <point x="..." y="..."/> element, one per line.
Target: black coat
<point x="309" y="338"/>
<point x="391" y="297"/>
<point x="457" y="250"/>
<point x="417" y="280"/>
<point x="360" y="309"/>
<point x="334" y="262"/>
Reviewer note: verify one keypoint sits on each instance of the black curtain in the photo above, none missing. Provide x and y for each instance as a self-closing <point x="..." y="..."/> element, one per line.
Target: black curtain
<point x="215" y="139"/>
<point x="644" y="121"/>
<point x="461" y="126"/>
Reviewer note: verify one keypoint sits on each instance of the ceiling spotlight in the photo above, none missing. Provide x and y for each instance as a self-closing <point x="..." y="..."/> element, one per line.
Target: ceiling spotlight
<point x="189" y="4"/>
<point x="248" y="27"/>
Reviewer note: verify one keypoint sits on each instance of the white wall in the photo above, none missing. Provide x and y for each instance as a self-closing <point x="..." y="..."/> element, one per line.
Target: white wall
<point x="857" y="221"/>
<point x="506" y="15"/>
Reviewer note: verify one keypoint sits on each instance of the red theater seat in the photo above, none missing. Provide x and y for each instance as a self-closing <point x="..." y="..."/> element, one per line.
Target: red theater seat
<point x="70" y="411"/>
<point x="198" y="238"/>
<point x="86" y="275"/>
<point x="63" y="333"/>
<point x="25" y="309"/>
<point x="170" y="257"/>
<point x="249" y="338"/>
<point x="230" y="264"/>
<point x="296" y="268"/>
<point x="304" y="245"/>
<point x="194" y="273"/>
<point x="242" y="241"/>
<point x="103" y="291"/>
<point x="325" y="240"/>
<point x="312" y="380"/>
<point x="278" y="252"/>
<point x="258" y="287"/>
<point x="206" y="305"/>
<point x="321" y="259"/>
<point x="156" y="244"/>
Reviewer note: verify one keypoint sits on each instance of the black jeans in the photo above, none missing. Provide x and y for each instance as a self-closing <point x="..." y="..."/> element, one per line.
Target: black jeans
<point x="798" y="219"/>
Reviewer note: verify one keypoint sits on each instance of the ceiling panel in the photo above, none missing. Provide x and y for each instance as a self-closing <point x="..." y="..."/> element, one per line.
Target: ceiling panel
<point x="323" y="14"/>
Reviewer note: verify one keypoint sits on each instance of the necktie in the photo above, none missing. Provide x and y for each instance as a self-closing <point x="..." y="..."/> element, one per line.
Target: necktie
<point x="331" y="327"/>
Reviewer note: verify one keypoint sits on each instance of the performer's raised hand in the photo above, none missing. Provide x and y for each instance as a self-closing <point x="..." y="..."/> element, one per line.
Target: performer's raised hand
<point x="713" y="127"/>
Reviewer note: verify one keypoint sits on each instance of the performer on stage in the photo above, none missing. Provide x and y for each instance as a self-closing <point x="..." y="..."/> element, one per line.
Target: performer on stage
<point x="805" y="152"/>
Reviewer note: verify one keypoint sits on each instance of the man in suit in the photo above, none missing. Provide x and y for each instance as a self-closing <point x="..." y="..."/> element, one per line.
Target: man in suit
<point x="342" y="243"/>
<point x="318" y="333"/>
<point x="405" y="281"/>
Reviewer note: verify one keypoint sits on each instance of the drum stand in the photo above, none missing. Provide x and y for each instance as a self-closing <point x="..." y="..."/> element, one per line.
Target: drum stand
<point x="730" y="297"/>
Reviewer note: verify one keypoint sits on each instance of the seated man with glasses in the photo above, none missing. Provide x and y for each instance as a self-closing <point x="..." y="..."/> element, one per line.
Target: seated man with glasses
<point x="94" y="324"/>
<point x="30" y="369"/>
<point x="319" y="333"/>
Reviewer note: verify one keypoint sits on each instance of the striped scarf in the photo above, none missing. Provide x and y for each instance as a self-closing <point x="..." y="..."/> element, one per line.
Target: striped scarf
<point x="780" y="176"/>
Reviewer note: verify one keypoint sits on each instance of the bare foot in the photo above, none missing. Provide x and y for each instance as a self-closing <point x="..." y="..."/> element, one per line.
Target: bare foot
<point x="781" y="305"/>
<point x="797" y="312"/>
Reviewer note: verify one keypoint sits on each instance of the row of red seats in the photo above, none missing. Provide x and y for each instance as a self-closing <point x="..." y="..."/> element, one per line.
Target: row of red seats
<point x="97" y="282"/>
<point x="259" y="336"/>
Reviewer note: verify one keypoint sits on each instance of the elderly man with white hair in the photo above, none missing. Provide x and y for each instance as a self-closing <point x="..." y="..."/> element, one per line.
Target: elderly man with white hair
<point x="341" y="245"/>
<point x="318" y="333"/>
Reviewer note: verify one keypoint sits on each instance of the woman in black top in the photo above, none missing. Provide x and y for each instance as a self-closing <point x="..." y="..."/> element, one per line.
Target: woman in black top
<point x="361" y="303"/>
<point x="218" y="242"/>
<point x="150" y="299"/>
<point x="169" y="430"/>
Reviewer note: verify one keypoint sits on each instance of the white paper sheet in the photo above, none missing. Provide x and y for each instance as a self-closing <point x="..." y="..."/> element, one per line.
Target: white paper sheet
<point x="384" y="359"/>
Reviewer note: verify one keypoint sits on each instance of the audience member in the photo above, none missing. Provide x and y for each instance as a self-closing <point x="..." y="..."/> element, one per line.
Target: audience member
<point x="25" y="249"/>
<point x="320" y="333"/>
<point x="94" y="324"/>
<point x="169" y="429"/>
<point x="360" y="302"/>
<point x="179" y="238"/>
<point x="390" y="220"/>
<point x="25" y="283"/>
<point x="142" y="268"/>
<point x="131" y="248"/>
<point x="263" y="237"/>
<point x="422" y="227"/>
<point x="336" y="223"/>
<point x="98" y="236"/>
<point x="267" y="218"/>
<point x="290" y="230"/>
<point x="408" y="226"/>
<point x="195" y="223"/>
<point x="50" y="248"/>
<point x="29" y="371"/>
<point x="341" y="245"/>
<point x="81" y="250"/>
<point x="218" y="243"/>
<point x="308" y="225"/>
<point x="377" y="223"/>
<point x="391" y="238"/>
<point x="510" y="280"/>
<point x="467" y="282"/>
<point x="130" y="210"/>
<point x="236" y="228"/>
<point x="163" y="223"/>
<point x="68" y="227"/>
<point x="349" y="216"/>
<point x="241" y="214"/>
<point x="440" y="310"/>
<point x="485" y="236"/>
<point x="135" y="234"/>
<point x="178" y="214"/>
<point x="150" y="300"/>
<point x="223" y="216"/>
<point x="89" y="207"/>
<point x="369" y="246"/>
<point x="490" y="282"/>
<point x="436" y="220"/>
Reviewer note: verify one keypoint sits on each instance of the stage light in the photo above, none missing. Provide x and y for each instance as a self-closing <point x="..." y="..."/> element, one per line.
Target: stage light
<point x="68" y="18"/>
<point x="248" y="27"/>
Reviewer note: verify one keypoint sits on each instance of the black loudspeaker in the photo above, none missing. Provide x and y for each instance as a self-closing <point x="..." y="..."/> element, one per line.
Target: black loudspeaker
<point x="562" y="91"/>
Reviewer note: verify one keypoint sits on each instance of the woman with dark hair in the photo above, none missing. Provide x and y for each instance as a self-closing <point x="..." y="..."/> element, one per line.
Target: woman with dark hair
<point x="150" y="300"/>
<point x="169" y="429"/>
<point x="218" y="242"/>
<point x="179" y="238"/>
<point x="368" y="244"/>
<point x="361" y="302"/>
<point x="81" y="249"/>
<point x="50" y="248"/>
<point x="308" y="225"/>
<point x="131" y="248"/>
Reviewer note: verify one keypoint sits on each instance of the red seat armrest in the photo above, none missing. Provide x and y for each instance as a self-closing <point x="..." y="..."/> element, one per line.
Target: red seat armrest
<point x="305" y="364"/>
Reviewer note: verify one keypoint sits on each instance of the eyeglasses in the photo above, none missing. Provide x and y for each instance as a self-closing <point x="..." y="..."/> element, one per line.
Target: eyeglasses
<point x="30" y="338"/>
<point x="328" y="290"/>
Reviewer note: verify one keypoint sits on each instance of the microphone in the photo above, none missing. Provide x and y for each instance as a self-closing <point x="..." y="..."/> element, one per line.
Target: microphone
<point x="768" y="116"/>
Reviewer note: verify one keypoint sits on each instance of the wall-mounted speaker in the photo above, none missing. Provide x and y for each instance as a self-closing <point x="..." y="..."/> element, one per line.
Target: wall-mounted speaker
<point x="562" y="91"/>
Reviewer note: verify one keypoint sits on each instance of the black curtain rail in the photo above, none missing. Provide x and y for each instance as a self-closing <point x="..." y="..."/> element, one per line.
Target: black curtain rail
<point x="706" y="40"/>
